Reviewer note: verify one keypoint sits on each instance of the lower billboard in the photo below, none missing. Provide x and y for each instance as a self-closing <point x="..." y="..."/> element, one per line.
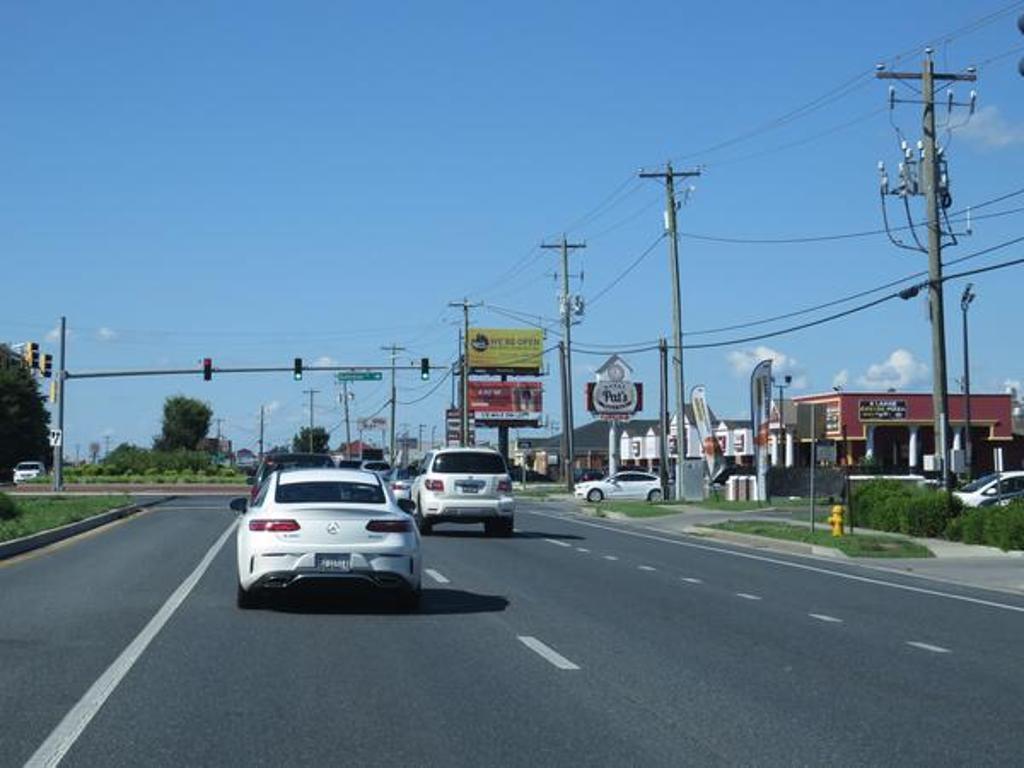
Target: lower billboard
<point x="506" y="403"/>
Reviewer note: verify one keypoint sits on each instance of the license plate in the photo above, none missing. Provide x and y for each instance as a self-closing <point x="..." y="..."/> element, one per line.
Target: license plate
<point x="469" y="489"/>
<point x="340" y="563"/>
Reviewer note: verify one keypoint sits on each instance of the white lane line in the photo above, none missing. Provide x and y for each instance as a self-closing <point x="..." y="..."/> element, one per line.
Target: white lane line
<point x="646" y="568"/>
<point x="582" y="549"/>
<point x="928" y="647"/>
<point x="747" y="596"/>
<point x="825" y="617"/>
<point x="610" y="557"/>
<point x="558" y="543"/>
<point x="436" y="576"/>
<point x="546" y="652"/>
<point x="63" y="737"/>
<point x="790" y="564"/>
<point x="691" y="580"/>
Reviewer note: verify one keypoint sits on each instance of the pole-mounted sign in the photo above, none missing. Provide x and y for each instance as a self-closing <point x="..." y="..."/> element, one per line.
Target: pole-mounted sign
<point x="614" y="396"/>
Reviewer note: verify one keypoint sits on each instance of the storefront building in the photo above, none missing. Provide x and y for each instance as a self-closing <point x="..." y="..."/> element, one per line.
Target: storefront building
<point x="895" y="430"/>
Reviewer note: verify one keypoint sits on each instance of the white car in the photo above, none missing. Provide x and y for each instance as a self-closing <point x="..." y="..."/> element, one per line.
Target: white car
<point x="27" y="470"/>
<point x="983" y="492"/>
<point x="628" y="484"/>
<point x="464" y="485"/>
<point x="336" y="526"/>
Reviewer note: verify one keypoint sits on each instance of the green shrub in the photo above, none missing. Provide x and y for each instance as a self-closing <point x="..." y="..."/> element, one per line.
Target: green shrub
<point x="891" y="505"/>
<point x="8" y="509"/>
<point x="1004" y="526"/>
<point x="926" y="513"/>
<point x="955" y="529"/>
<point x="974" y="526"/>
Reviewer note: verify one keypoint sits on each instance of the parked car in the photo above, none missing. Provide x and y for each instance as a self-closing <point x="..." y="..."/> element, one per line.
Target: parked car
<point x="328" y="526"/>
<point x="991" y="489"/>
<point x="27" y="470"/>
<point x="464" y="485"/>
<point x="275" y="461"/>
<point x="622" y="485"/>
<point x="376" y="465"/>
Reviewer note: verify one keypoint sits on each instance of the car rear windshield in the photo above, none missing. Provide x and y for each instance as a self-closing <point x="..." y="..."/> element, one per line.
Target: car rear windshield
<point x="329" y="491"/>
<point x="470" y="463"/>
<point x="350" y="464"/>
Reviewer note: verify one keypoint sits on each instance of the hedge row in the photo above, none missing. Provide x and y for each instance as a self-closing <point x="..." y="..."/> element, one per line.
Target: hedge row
<point x="129" y="459"/>
<point x="109" y="470"/>
<point x="889" y="505"/>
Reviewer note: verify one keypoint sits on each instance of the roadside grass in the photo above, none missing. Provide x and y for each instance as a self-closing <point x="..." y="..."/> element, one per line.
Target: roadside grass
<point x="860" y="545"/>
<point x="749" y="506"/>
<point x="635" y="508"/>
<point x="164" y="479"/>
<point x="33" y="515"/>
<point x="539" y="492"/>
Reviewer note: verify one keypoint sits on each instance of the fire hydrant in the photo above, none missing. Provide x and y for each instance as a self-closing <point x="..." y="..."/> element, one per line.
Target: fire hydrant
<point x="836" y="520"/>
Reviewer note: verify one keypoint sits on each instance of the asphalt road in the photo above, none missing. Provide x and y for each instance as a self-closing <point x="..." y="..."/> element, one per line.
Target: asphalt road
<point x="577" y="642"/>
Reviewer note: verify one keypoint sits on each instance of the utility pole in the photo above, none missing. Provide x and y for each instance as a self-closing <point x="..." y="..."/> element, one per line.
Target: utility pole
<point x="348" y="423"/>
<point x="663" y="460"/>
<point x="466" y="306"/>
<point x="669" y="175"/>
<point x="58" y="456"/>
<point x="310" y="392"/>
<point x="965" y="302"/>
<point x="564" y="446"/>
<point x="930" y="178"/>
<point x="566" y="308"/>
<point x="394" y="350"/>
<point x="780" y="435"/>
<point x="218" y="432"/>
<point x="261" y="433"/>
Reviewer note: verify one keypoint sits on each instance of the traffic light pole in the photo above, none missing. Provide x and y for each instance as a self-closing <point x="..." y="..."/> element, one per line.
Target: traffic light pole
<point x="58" y="450"/>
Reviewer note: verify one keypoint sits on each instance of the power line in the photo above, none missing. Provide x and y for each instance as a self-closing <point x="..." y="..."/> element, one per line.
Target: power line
<point x="633" y="265"/>
<point x="433" y="389"/>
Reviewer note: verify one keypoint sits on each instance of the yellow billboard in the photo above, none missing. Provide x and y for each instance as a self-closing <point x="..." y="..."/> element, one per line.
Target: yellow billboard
<point x="505" y="350"/>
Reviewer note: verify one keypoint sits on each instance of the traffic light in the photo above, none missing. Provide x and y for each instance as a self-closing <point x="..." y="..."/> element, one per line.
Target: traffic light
<point x="47" y="366"/>
<point x="207" y="368"/>
<point x="32" y="355"/>
<point x="297" y="371"/>
<point x="424" y="368"/>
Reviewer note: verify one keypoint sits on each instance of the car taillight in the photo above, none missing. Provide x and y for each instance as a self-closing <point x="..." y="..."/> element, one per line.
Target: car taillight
<point x="389" y="526"/>
<point x="505" y="485"/>
<point x="434" y="485"/>
<point x="273" y="525"/>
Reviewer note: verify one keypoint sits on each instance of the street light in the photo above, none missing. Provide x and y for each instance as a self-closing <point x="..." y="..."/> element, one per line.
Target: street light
<point x="965" y="303"/>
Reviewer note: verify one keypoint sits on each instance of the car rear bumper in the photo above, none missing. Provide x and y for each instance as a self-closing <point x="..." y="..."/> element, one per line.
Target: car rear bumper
<point x="469" y="510"/>
<point x="354" y="580"/>
<point x="282" y="569"/>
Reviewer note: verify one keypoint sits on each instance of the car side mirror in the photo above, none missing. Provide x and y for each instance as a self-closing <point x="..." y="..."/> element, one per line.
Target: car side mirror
<point x="240" y="504"/>
<point x="407" y="505"/>
<point x="250" y="480"/>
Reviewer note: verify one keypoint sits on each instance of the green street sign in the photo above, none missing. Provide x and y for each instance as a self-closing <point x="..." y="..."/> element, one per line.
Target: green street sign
<point x="359" y="376"/>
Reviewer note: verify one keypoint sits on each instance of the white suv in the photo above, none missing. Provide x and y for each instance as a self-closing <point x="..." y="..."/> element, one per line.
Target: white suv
<point x="28" y="470"/>
<point x="464" y="485"/>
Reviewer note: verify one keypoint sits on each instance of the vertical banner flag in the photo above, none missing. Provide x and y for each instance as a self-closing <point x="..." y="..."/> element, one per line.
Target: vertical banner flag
<point x="706" y="431"/>
<point x="760" y="405"/>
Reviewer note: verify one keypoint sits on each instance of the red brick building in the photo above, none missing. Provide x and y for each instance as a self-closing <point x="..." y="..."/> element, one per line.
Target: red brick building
<point x="896" y="428"/>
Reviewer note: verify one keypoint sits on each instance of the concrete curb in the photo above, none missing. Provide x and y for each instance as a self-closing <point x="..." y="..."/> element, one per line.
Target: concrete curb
<point x="25" y="544"/>
<point x="765" y="542"/>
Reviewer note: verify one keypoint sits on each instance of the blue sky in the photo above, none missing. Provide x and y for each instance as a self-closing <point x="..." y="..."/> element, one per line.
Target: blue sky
<point x="254" y="182"/>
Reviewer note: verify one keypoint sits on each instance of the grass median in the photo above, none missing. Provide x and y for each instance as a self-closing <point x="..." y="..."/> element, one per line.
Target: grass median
<point x="860" y="545"/>
<point x="25" y="516"/>
<point x="635" y="508"/>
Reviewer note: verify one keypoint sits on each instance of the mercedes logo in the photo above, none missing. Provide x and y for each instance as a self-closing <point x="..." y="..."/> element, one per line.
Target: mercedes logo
<point x="333" y="527"/>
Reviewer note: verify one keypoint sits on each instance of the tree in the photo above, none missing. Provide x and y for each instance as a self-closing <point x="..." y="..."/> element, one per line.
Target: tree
<point x="24" y="420"/>
<point x="300" y="443"/>
<point x="186" y="422"/>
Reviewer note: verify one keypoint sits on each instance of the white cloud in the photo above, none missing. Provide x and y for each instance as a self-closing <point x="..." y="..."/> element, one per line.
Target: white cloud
<point x="106" y="334"/>
<point x="900" y="370"/>
<point x="325" y="360"/>
<point x="1014" y="384"/>
<point x="744" y="360"/>
<point x="53" y="334"/>
<point x="989" y="129"/>
<point x="109" y="432"/>
<point x="270" y="407"/>
<point x="841" y="379"/>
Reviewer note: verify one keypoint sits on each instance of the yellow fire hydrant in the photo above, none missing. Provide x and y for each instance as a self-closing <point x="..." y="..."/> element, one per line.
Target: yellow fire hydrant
<point x="836" y="520"/>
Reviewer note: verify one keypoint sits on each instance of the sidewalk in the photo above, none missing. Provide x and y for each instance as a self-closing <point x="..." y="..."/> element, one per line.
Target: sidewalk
<point x="964" y="564"/>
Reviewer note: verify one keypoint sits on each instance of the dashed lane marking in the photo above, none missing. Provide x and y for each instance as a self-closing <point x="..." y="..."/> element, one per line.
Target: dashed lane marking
<point x="692" y="580"/>
<point x="928" y="647"/>
<point x="557" y="543"/>
<point x="582" y="549"/>
<point x="610" y="557"/>
<point x="646" y="568"/>
<point x="547" y="653"/>
<point x="826" y="618"/>
<point x="438" y="577"/>
<point x="747" y="596"/>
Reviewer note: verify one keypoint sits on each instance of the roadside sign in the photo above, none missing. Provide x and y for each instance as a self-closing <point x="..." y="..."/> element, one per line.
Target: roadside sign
<point x="56" y="438"/>
<point x="359" y="376"/>
<point x="374" y="422"/>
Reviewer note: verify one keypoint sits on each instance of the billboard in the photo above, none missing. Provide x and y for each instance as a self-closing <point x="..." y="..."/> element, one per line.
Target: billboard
<point x="706" y="430"/>
<point x="506" y="350"/>
<point x="506" y="403"/>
